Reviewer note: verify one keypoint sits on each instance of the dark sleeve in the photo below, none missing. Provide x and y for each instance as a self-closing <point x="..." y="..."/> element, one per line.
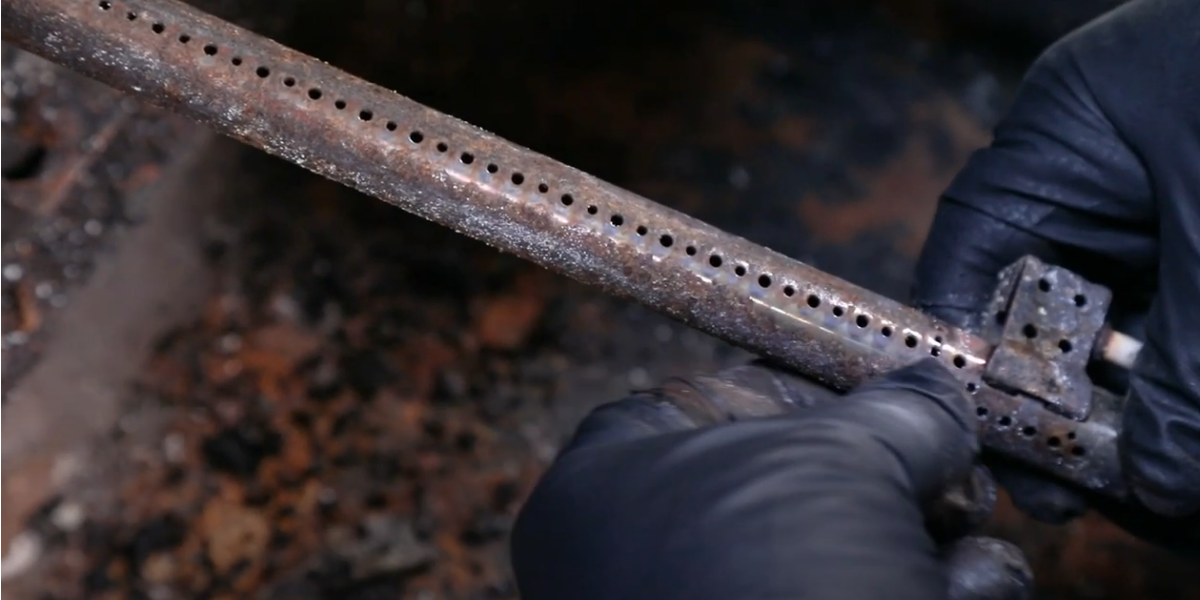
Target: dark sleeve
<point x="1097" y="168"/>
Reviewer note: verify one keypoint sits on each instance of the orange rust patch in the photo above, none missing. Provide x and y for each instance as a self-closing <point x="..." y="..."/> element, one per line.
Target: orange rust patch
<point x="26" y="487"/>
<point x="1090" y="554"/>
<point x="505" y="321"/>
<point x="233" y="533"/>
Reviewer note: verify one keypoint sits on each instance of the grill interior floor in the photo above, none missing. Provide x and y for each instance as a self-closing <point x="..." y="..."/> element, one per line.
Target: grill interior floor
<point x="362" y="399"/>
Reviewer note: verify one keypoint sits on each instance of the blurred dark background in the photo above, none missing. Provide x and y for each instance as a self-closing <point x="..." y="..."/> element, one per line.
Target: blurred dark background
<point x="229" y="378"/>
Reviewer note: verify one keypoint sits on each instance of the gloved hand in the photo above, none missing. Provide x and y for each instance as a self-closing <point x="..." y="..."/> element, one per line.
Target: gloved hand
<point x="1096" y="168"/>
<point x="757" y="484"/>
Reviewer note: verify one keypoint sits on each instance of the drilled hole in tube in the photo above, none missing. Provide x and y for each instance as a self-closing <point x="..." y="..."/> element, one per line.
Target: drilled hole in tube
<point x="493" y="169"/>
<point x="666" y="240"/>
<point x="910" y="341"/>
<point x="262" y="72"/>
<point x="1005" y="421"/>
<point x="210" y="49"/>
<point x="1078" y="451"/>
<point x="592" y="209"/>
<point x="158" y="28"/>
<point x="691" y="250"/>
<point x="960" y="361"/>
<point x="862" y="321"/>
<point x="185" y="38"/>
<point x="132" y="16"/>
<point x="339" y="104"/>
<point x="365" y="115"/>
<point x="1044" y="284"/>
<point x="314" y="93"/>
<point x="29" y="165"/>
<point x="617" y="220"/>
<point x="566" y="199"/>
<point x="886" y="331"/>
<point x="518" y="178"/>
<point x="105" y="5"/>
<point x="937" y="339"/>
<point x="739" y="270"/>
<point x="789" y="290"/>
<point x="1080" y="300"/>
<point x="641" y="230"/>
<point x="1053" y="441"/>
<point x="466" y="158"/>
<point x="1029" y="431"/>
<point x="973" y="387"/>
<point x="764" y="280"/>
<point x="236" y="61"/>
<point x="813" y="301"/>
<point x="981" y="411"/>
<point x="935" y="351"/>
<point x="442" y="147"/>
<point x="1029" y="331"/>
<point x="543" y="188"/>
<point x="838" y="311"/>
<point x="289" y="81"/>
<point x="1071" y="435"/>
<point x="1064" y="345"/>
<point x="417" y="137"/>
<point x="391" y="126"/>
<point x="715" y="260"/>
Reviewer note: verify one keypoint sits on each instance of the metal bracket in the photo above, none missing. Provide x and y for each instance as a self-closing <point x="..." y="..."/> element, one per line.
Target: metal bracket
<point x="1044" y="321"/>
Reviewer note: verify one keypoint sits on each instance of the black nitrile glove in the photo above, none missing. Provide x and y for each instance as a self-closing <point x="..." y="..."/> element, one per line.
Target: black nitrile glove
<point x="1096" y="168"/>
<point x="756" y="484"/>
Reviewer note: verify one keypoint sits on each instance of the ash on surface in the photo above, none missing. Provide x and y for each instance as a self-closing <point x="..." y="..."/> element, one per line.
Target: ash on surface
<point x="366" y="398"/>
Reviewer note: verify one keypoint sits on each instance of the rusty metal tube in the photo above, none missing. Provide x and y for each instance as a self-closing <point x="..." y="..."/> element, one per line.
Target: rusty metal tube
<point x="450" y="172"/>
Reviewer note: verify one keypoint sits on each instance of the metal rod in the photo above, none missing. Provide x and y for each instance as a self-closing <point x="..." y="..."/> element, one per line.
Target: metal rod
<point x="450" y="172"/>
<point x="1118" y="349"/>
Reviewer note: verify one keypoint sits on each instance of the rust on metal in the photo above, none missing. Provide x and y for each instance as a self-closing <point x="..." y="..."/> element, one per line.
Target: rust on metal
<point x="450" y="172"/>
<point x="1044" y="321"/>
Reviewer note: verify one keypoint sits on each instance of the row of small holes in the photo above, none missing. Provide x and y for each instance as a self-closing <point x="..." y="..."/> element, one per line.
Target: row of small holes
<point x="666" y="240"/>
<point x="1030" y="431"/>
<point x="1045" y="286"/>
<point x="1030" y="331"/>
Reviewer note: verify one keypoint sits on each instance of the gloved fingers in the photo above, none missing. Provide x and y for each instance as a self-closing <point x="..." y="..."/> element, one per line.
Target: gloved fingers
<point x="758" y="390"/>
<point x="1038" y="496"/>
<point x="745" y="391"/>
<point x="1079" y="176"/>
<point x="965" y="505"/>
<point x="1058" y="182"/>
<point x="783" y="387"/>
<point x="734" y="394"/>
<point x="962" y="507"/>
<point x="967" y="247"/>
<point x="962" y="257"/>
<point x="1160" y="437"/>
<point x="828" y="502"/>
<point x="918" y="414"/>
<point x="982" y="568"/>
